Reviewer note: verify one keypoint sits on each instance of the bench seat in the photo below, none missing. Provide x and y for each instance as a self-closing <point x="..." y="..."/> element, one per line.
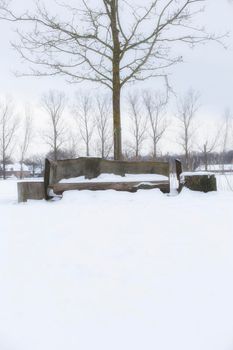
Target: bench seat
<point x="129" y="186"/>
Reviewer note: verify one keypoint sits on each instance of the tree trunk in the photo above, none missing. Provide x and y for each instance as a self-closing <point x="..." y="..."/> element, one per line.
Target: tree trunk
<point x="87" y="149"/>
<point x="55" y="154"/>
<point x="155" y="149"/>
<point x="55" y="149"/>
<point x="186" y="140"/>
<point x="136" y="153"/>
<point x="4" y="169"/>
<point x="187" y="163"/>
<point x="3" y="155"/>
<point x="205" y="158"/>
<point x="116" y="84"/>
<point x="21" y="169"/>
<point x="54" y="141"/>
<point x="102" y="148"/>
<point x="117" y="123"/>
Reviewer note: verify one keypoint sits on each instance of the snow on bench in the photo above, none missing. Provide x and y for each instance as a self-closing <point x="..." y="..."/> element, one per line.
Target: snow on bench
<point x="117" y="178"/>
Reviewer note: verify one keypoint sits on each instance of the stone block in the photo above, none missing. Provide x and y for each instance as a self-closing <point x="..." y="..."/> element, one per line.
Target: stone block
<point x="204" y="182"/>
<point x="30" y="190"/>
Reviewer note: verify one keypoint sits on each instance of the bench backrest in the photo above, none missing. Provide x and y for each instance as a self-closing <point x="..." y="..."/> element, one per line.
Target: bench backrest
<point x="93" y="167"/>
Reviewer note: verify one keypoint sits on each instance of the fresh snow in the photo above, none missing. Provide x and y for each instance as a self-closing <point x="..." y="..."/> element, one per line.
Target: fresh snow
<point x="225" y="181"/>
<point x="194" y="173"/>
<point x="117" y="178"/>
<point x="217" y="167"/>
<point x="116" y="271"/>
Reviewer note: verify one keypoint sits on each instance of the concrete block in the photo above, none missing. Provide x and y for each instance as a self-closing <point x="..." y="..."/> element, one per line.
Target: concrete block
<point x="30" y="190"/>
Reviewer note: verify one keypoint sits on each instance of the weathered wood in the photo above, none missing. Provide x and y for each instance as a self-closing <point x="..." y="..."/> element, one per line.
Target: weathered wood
<point x="178" y="168"/>
<point x="30" y="190"/>
<point x="46" y="177"/>
<point x="178" y="173"/>
<point x="93" y="167"/>
<point x="118" y="186"/>
<point x="197" y="182"/>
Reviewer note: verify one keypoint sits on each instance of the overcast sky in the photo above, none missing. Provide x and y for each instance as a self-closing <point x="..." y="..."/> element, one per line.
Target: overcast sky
<point x="207" y="68"/>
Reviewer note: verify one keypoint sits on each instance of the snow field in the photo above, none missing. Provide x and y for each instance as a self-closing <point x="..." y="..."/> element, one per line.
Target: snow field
<point x="114" y="270"/>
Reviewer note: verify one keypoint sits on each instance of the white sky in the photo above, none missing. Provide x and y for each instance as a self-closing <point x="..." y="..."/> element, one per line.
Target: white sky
<point x="208" y="68"/>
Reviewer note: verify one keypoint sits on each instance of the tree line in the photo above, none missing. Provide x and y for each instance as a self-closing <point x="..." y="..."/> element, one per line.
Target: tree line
<point x="84" y="128"/>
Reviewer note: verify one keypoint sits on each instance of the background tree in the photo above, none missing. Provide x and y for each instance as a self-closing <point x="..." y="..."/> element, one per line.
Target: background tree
<point x="227" y="139"/>
<point x="209" y="145"/>
<point x="186" y="112"/>
<point x="102" y="116"/>
<point x="110" y="42"/>
<point x="72" y="146"/>
<point x="138" y="124"/>
<point x="8" y="128"/>
<point x="155" y="106"/>
<point x="54" y="103"/>
<point x="26" y="138"/>
<point x="36" y="163"/>
<point x="83" y="113"/>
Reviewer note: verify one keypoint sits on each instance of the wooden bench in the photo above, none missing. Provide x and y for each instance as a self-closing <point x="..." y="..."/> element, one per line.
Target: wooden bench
<point x="91" y="168"/>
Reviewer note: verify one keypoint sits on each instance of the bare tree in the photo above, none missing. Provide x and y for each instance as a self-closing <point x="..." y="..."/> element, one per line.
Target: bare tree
<point x="54" y="103"/>
<point x="227" y="117"/>
<point x="71" y="149"/>
<point x="209" y="145"/>
<point x="26" y="138"/>
<point x="155" y="106"/>
<point x="138" y="124"/>
<point x="110" y="42"/>
<point x="103" y="115"/>
<point x="186" y="112"/>
<point x="83" y="114"/>
<point x="8" y="128"/>
<point x="36" y="163"/>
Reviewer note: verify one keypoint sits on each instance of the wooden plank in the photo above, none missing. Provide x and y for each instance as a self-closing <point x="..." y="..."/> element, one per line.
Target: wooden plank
<point x="178" y="173"/>
<point x="47" y="177"/>
<point x="132" y="186"/>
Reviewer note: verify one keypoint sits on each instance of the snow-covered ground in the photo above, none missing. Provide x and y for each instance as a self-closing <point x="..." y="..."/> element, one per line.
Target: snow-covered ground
<point x="225" y="181"/>
<point x="217" y="167"/>
<point x="116" y="271"/>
